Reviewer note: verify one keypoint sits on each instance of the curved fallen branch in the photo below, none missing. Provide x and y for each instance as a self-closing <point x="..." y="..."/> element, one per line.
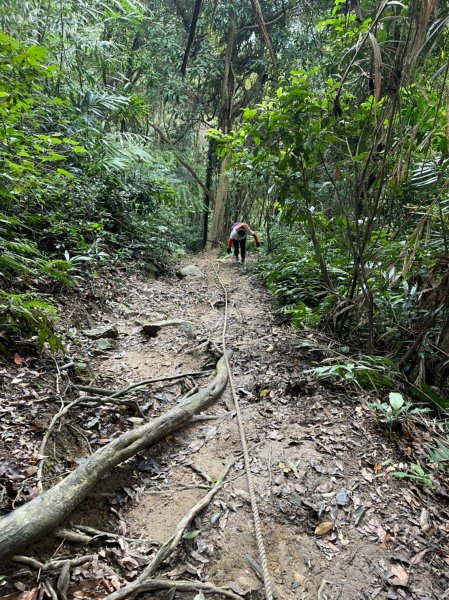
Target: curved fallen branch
<point x="82" y="534"/>
<point x="139" y="584"/>
<point x="44" y="513"/>
<point x="188" y="586"/>
<point x="104" y="392"/>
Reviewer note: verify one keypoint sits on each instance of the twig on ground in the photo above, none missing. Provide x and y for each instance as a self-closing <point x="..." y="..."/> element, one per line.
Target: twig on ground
<point x="197" y="469"/>
<point x="189" y="393"/>
<point x="210" y="417"/>
<point x="67" y="366"/>
<point x="78" y="431"/>
<point x="111" y="393"/>
<point x="188" y="586"/>
<point x="52" y="565"/>
<point x="90" y="531"/>
<point x="58" y="375"/>
<point x="94" y="401"/>
<point x="141" y="583"/>
<point x="51" y="591"/>
<point x="72" y="536"/>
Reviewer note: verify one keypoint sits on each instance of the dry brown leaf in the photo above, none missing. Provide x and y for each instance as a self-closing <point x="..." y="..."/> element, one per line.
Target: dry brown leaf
<point x="324" y="528"/>
<point x="383" y="537"/>
<point x="18" y="360"/>
<point x="367" y="475"/>
<point x="418" y="557"/>
<point x="399" y="575"/>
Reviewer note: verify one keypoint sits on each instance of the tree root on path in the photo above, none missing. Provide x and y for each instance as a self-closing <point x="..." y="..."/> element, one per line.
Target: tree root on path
<point x="143" y="581"/>
<point x="140" y="584"/>
<point x="43" y="514"/>
<point x="104" y="392"/>
<point x="82" y="534"/>
<point x="52" y="565"/>
<point x="188" y="586"/>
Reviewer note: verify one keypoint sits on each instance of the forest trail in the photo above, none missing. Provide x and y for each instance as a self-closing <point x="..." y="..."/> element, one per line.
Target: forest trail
<point x="318" y="460"/>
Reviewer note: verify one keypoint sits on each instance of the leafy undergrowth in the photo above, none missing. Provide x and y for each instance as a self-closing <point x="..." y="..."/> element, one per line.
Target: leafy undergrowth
<point x="323" y="462"/>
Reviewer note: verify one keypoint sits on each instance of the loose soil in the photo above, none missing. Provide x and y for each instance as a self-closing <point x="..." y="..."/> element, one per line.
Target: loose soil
<point x="317" y="456"/>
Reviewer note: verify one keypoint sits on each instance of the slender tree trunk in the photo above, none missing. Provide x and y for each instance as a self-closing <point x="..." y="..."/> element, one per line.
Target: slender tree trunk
<point x="226" y="116"/>
<point x="218" y="225"/>
<point x="196" y="13"/>
<point x="208" y="184"/>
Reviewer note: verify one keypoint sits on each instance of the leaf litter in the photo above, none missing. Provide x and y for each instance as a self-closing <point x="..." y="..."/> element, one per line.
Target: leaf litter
<point x="333" y="517"/>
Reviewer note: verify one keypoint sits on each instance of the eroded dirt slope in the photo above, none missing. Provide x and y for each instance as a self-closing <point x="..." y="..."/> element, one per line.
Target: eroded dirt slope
<point x="318" y="460"/>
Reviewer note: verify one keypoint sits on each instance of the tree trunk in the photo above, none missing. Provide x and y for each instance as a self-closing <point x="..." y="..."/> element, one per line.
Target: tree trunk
<point x="211" y="160"/>
<point x="217" y="227"/>
<point x="40" y="516"/>
<point x="226" y="116"/>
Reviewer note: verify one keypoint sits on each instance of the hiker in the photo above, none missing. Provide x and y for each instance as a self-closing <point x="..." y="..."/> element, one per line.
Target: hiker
<point x="239" y="232"/>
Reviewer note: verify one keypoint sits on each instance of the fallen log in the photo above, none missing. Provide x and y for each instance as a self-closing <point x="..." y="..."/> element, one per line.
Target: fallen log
<point x="40" y="516"/>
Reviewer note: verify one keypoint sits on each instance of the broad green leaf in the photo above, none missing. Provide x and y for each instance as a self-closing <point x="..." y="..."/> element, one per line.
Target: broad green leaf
<point x="396" y="400"/>
<point x="65" y="173"/>
<point x="190" y="535"/>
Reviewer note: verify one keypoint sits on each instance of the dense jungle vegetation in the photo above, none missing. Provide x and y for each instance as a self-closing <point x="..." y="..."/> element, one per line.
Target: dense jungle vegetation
<point x="138" y="129"/>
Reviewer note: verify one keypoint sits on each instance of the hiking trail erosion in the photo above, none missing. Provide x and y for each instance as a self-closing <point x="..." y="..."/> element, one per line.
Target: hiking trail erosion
<point x="335" y="523"/>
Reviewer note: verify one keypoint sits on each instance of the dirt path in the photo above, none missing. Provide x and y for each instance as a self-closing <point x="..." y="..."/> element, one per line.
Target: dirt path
<point x="317" y="458"/>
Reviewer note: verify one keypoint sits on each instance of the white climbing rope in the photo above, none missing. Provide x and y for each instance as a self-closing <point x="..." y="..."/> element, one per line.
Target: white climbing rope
<point x="269" y="592"/>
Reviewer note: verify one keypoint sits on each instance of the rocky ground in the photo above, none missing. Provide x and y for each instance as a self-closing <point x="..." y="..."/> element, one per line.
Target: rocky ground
<point x="336" y="523"/>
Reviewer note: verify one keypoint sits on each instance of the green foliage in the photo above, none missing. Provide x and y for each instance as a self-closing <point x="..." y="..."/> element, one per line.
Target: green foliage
<point x="292" y="274"/>
<point x="358" y="162"/>
<point x="22" y="258"/>
<point x="27" y="316"/>
<point x="396" y="411"/>
<point x="417" y="474"/>
<point x="74" y="190"/>
<point x="438" y="454"/>
<point x="370" y="372"/>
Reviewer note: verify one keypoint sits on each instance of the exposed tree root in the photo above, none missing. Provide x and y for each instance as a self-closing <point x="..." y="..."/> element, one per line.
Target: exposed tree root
<point x="82" y="534"/>
<point x="44" y="513"/>
<point x="104" y="392"/>
<point x="53" y="565"/>
<point x="171" y="544"/>
<point x="188" y="586"/>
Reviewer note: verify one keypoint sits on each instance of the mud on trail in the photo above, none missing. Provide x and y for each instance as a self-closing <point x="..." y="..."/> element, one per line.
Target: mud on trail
<point x="336" y="524"/>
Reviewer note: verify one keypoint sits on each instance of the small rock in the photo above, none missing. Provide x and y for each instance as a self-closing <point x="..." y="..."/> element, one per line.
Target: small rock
<point x="107" y="344"/>
<point x="342" y="497"/>
<point x="189" y="271"/>
<point x="102" y="331"/>
<point x="152" y="328"/>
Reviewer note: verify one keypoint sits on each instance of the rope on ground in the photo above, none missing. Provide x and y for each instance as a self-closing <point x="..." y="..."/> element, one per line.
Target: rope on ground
<point x="269" y="592"/>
